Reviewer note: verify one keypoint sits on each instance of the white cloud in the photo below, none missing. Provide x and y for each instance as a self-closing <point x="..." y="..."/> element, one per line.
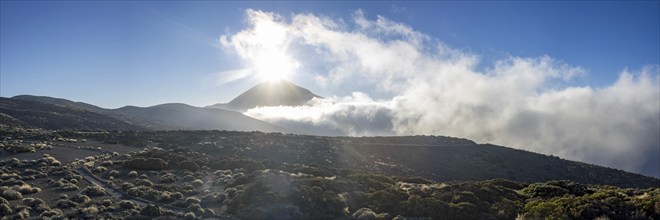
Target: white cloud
<point x="519" y="102"/>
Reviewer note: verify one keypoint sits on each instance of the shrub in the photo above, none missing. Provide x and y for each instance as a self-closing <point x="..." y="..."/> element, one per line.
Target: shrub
<point x="23" y="213"/>
<point x="151" y="210"/>
<point x="544" y="191"/>
<point x="166" y="196"/>
<point x="81" y="198"/>
<point x="177" y="195"/>
<point x="125" y="204"/>
<point x="5" y="210"/>
<point x="127" y="185"/>
<point x="196" y="208"/>
<point x="387" y="199"/>
<point x="191" y="200"/>
<point x="65" y="204"/>
<point x="3" y="200"/>
<point x="93" y="190"/>
<point x="189" y="165"/>
<point x="132" y="174"/>
<point x="56" y="163"/>
<point x="136" y="191"/>
<point x="145" y="164"/>
<point x="113" y="173"/>
<point x="197" y="183"/>
<point x="70" y="187"/>
<point x="168" y="178"/>
<point x="189" y="215"/>
<point x="188" y="178"/>
<point x="32" y="201"/>
<point x="11" y="194"/>
<point x="100" y="169"/>
<point x="143" y="182"/>
<point x="53" y="213"/>
<point x="30" y="172"/>
<point x="27" y="189"/>
<point x="90" y="211"/>
<point x="106" y="163"/>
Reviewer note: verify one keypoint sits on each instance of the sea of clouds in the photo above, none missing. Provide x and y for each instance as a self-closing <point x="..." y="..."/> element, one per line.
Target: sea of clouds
<point x="522" y="102"/>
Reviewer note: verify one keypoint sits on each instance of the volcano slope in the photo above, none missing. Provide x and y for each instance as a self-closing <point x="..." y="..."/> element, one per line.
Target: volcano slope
<point x="254" y="175"/>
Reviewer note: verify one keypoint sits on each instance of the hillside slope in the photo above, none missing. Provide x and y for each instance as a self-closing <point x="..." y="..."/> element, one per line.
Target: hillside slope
<point x="159" y="117"/>
<point x="430" y="157"/>
<point x="182" y="116"/>
<point x="41" y="115"/>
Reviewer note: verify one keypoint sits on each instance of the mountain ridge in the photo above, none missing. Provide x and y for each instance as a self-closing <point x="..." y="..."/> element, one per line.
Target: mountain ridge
<point x="168" y="116"/>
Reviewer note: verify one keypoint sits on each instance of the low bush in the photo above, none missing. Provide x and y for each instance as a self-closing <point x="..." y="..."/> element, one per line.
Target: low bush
<point x="143" y="182"/>
<point x="27" y="189"/>
<point x="197" y="183"/>
<point x="151" y="210"/>
<point x="70" y="187"/>
<point x="11" y="194"/>
<point x="145" y="164"/>
<point x="32" y="201"/>
<point x="81" y="198"/>
<point x="168" y="178"/>
<point x="189" y="165"/>
<point x="90" y="211"/>
<point x="188" y="178"/>
<point x="177" y="195"/>
<point x="53" y="214"/>
<point x="5" y="210"/>
<point x="65" y="204"/>
<point x="100" y="169"/>
<point x="189" y="215"/>
<point x="132" y="174"/>
<point x="125" y="204"/>
<point x="126" y="185"/>
<point x="192" y="200"/>
<point x="94" y="190"/>
<point x="23" y="212"/>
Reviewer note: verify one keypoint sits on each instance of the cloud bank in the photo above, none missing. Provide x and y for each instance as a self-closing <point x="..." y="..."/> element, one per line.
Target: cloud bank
<point x="521" y="102"/>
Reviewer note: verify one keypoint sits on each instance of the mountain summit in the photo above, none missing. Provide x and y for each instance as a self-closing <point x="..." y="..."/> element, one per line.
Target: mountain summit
<point x="273" y="93"/>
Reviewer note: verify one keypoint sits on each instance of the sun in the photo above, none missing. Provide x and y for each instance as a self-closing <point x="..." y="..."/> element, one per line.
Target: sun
<point x="269" y="43"/>
<point x="274" y="65"/>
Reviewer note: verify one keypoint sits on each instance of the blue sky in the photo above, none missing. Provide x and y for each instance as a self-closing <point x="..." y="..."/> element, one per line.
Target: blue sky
<point x="145" y="53"/>
<point x="576" y="79"/>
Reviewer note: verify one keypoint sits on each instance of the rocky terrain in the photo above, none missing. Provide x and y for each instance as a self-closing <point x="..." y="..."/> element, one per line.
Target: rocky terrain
<point x="254" y="175"/>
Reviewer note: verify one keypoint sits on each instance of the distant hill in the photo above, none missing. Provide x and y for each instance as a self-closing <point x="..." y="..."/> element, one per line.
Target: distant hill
<point x="160" y="117"/>
<point x="17" y="112"/>
<point x="61" y="102"/>
<point x="186" y="117"/>
<point x="269" y="94"/>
